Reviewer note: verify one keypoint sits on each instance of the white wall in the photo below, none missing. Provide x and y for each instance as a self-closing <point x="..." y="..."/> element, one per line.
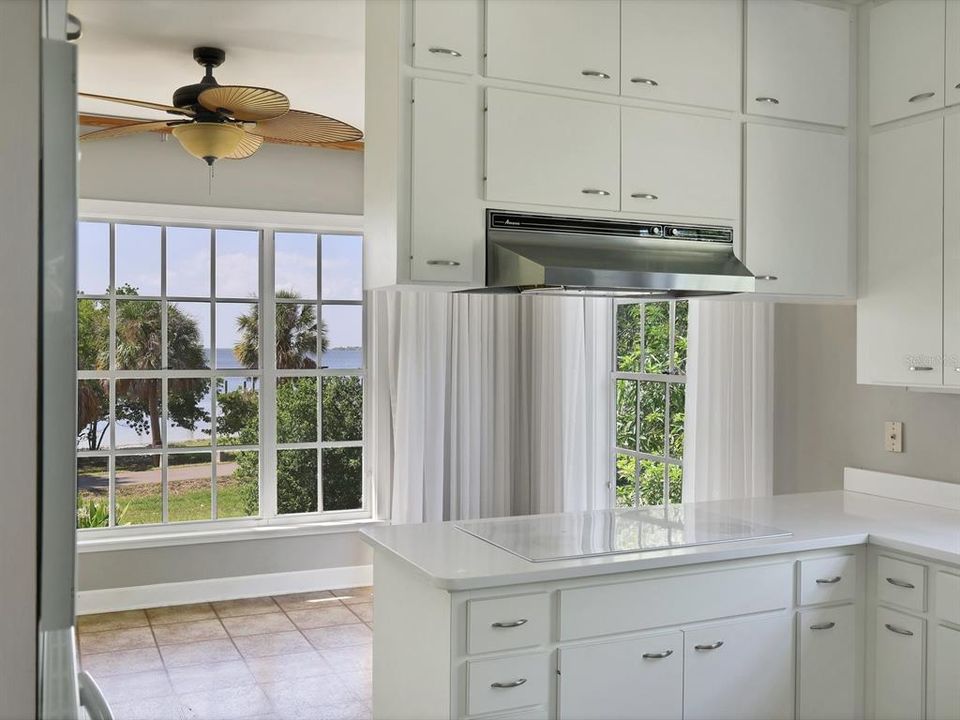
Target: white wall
<point x="19" y="290"/>
<point x="824" y="420"/>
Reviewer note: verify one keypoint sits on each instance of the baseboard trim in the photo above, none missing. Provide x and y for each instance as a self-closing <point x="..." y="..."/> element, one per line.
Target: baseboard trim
<point x="227" y="588"/>
<point x="902" y="487"/>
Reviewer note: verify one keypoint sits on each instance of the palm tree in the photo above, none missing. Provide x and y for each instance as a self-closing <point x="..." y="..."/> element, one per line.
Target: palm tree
<point x="296" y="339"/>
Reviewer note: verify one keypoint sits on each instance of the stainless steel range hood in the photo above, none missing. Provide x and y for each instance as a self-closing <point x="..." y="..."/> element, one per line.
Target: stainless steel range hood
<point x="554" y="254"/>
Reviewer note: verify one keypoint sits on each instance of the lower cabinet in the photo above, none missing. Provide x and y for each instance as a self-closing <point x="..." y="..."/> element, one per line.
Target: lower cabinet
<point x="946" y="675"/>
<point x="739" y="670"/>
<point x="898" y="672"/>
<point x="827" y="661"/>
<point x="638" y="678"/>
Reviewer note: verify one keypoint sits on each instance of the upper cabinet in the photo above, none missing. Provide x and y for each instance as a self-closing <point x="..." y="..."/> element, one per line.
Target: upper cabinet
<point x="705" y="73"/>
<point x="572" y="44"/>
<point x="951" y="94"/>
<point x="907" y="58"/>
<point x="547" y="150"/>
<point x="798" y="61"/>
<point x="446" y="35"/>
<point x="951" y="252"/>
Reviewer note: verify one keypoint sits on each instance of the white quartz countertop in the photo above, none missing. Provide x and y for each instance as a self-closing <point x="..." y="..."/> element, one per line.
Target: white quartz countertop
<point x="455" y="560"/>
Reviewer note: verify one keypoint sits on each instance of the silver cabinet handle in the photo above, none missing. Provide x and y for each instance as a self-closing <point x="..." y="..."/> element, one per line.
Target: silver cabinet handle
<point x="711" y="646"/>
<point x="595" y="74"/>
<point x="658" y="655"/>
<point x="594" y="191"/>
<point x="921" y="96"/>
<point x="768" y="100"/>
<point x="898" y="630"/>
<point x="645" y="196"/>
<point x="509" y="623"/>
<point x="444" y="263"/>
<point x="823" y="626"/>
<point x="444" y="51"/>
<point x="644" y="81"/>
<point x="902" y="583"/>
<point x="766" y="277"/>
<point x="829" y="581"/>
<point x="509" y="683"/>
<point x="919" y="368"/>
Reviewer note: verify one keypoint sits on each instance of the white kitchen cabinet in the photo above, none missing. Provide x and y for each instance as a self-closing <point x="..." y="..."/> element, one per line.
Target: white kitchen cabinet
<point x="900" y="308"/>
<point x="446" y="219"/>
<point x="797" y="225"/>
<point x="906" y="63"/>
<point x="946" y="674"/>
<point x="639" y="679"/>
<point x="827" y="661"/>
<point x="951" y="88"/>
<point x="674" y="164"/>
<point x="739" y="670"/>
<point x="798" y="61"/>
<point x="898" y="666"/>
<point x="572" y="44"/>
<point x="951" y="251"/>
<point x="706" y="73"/>
<point x="446" y="35"/>
<point x="548" y="150"/>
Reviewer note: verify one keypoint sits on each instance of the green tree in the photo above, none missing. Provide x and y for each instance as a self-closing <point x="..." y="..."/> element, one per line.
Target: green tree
<point x="296" y="341"/>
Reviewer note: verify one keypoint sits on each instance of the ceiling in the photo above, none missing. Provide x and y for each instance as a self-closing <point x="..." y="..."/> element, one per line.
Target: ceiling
<point x="311" y="50"/>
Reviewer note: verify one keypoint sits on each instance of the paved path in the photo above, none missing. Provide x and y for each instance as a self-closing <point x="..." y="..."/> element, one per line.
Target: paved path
<point x="174" y="473"/>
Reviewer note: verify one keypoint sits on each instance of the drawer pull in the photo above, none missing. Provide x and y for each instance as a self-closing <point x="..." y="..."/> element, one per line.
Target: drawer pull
<point x="444" y="263"/>
<point x="658" y="655"/>
<point x="508" y="684"/>
<point x="594" y="191"/>
<point x="898" y="630"/>
<point x="767" y="277"/>
<point x="823" y="626"/>
<point x="918" y="368"/>
<point x="901" y="584"/>
<point x="444" y="51"/>
<point x="595" y="74"/>
<point x="767" y="100"/>
<point x="711" y="646"/>
<point x="921" y="96"/>
<point x="645" y="196"/>
<point x="509" y="623"/>
<point x="829" y="581"/>
<point x="644" y="81"/>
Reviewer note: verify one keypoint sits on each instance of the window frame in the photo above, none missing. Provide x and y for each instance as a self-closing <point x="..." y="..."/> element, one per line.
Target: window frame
<point x="670" y="378"/>
<point x="267" y="224"/>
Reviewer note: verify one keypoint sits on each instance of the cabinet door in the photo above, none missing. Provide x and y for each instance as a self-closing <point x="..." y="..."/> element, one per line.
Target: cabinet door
<point x="826" y="677"/>
<point x="946" y="675"/>
<point x="898" y="671"/>
<point x="951" y="250"/>
<point x="677" y="164"/>
<point x="573" y="44"/>
<point x="639" y="678"/>
<point x="706" y="73"/>
<point x="951" y="94"/>
<point x="798" y="61"/>
<point x="739" y="670"/>
<point x="906" y="58"/>
<point x="446" y="35"/>
<point x="797" y="230"/>
<point x="552" y="151"/>
<point x="900" y="306"/>
<point x="446" y="219"/>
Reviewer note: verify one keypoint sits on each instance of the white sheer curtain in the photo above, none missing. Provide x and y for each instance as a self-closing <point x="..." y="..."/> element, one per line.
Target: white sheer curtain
<point x="728" y="433"/>
<point x="482" y="406"/>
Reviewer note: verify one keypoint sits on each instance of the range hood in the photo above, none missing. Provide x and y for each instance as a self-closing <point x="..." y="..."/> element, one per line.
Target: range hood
<point x="562" y="255"/>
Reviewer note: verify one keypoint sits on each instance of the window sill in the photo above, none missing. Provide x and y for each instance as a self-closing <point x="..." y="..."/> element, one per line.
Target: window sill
<point x="114" y="540"/>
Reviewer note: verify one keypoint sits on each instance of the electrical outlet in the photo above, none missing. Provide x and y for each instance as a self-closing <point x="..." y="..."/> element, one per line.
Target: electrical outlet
<point x="893" y="436"/>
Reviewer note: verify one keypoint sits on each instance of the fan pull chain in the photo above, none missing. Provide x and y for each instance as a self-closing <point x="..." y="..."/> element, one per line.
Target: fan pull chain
<point x="210" y="180"/>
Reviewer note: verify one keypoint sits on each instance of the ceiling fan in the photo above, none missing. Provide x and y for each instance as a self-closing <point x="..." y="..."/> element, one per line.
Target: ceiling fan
<point x="229" y="121"/>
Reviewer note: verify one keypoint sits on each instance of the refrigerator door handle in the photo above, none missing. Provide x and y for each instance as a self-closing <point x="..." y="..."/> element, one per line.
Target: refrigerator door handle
<point x="92" y="699"/>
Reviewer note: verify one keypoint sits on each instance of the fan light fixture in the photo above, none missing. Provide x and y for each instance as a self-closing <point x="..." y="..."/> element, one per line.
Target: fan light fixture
<point x="209" y="141"/>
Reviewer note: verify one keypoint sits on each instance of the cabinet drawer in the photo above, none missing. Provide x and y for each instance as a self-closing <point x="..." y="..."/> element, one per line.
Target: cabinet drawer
<point x="446" y="35"/>
<point x="508" y="623"/>
<point x="898" y="662"/>
<point x="624" y="607"/>
<point x="901" y="583"/>
<point x="831" y="579"/>
<point x="948" y="597"/>
<point x="826" y="672"/>
<point x="507" y="683"/>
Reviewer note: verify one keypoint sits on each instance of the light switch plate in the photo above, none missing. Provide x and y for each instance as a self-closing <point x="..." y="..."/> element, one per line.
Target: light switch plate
<point x="893" y="436"/>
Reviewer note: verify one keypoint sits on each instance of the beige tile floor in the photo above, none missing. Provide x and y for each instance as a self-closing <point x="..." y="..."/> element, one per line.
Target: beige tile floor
<point x="290" y="657"/>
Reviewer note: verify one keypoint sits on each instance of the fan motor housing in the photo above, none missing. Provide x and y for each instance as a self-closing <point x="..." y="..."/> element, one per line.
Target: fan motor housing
<point x="209" y="58"/>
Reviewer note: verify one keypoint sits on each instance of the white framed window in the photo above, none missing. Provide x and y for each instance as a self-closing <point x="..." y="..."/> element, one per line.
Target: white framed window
<point x="649" y="376"/>
<point x="220" y="372"/>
